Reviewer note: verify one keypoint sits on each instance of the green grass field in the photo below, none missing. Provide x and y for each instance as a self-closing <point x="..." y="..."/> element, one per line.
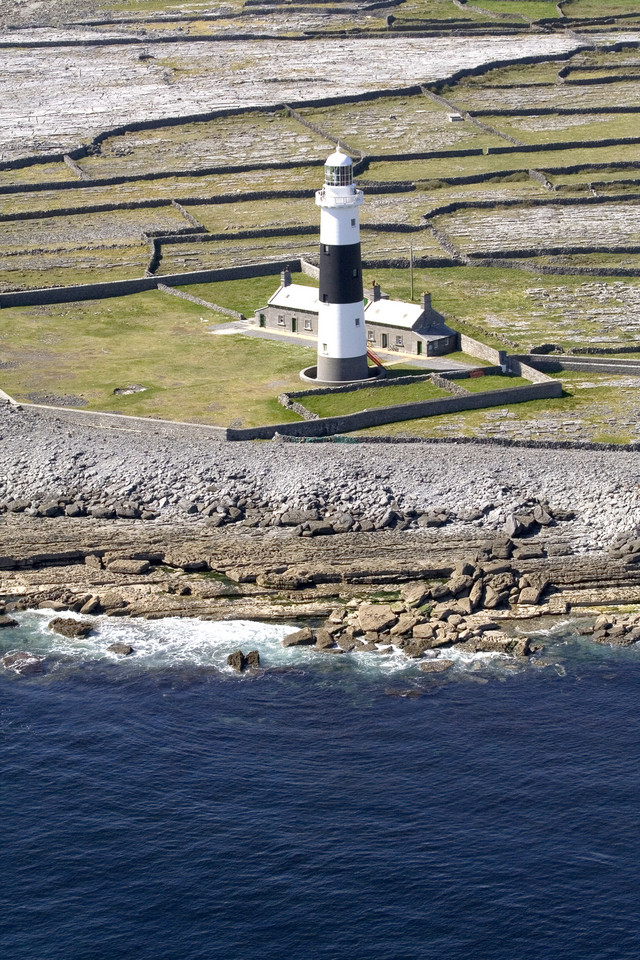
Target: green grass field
<point x="89" y="349"/>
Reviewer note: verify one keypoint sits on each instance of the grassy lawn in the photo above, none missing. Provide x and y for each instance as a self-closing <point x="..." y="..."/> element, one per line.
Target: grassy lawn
<point x="338" y="404"/>
<point x="599" y="8"/>
<point x="524" y="307"/>
<point x="23" y="271"/>
<point x="492" y="382"/>
<point x="244" y="295"/>
<point x="531" y="9"/>
<point x="87" y="350"/>
<point x="596" y="407"/>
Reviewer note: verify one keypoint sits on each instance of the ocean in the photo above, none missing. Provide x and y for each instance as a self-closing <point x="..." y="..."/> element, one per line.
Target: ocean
<point x="329" y="807"/>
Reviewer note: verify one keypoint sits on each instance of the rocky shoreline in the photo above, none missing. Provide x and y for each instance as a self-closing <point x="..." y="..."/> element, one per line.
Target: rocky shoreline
<point x="365" y="547"/>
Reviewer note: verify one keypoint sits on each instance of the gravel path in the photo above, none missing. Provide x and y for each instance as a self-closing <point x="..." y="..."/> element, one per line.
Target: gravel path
<point x="46" y="456"/>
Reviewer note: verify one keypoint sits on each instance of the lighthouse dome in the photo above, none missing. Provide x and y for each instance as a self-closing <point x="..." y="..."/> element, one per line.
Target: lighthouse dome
<point x="339" y="159"/>
<point x="338" y="170"/>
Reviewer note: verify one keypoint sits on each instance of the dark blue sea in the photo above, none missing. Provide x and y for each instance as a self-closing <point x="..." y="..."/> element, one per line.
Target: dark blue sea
<point x="159" y="808"/>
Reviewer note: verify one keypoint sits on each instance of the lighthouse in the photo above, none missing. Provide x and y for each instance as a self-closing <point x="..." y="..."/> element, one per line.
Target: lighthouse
<point x="342" y="340"/>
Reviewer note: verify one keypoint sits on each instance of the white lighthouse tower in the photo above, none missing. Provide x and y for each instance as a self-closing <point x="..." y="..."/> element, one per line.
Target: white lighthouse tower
<point x="342" y="339"/>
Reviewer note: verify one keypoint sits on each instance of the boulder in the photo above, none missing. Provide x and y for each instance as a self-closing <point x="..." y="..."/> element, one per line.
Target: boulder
<point x="324" y="639"/>
<point x="436" y="666"/>
<point x="67" y="627"/>
<point x="530" y="595"/>
<point x="300" y="638"/>
<point x="439" y="590"/>
<point x="6" y="621"/>
<point x="131" y="567"/>
<point x="475" y="594"/>
<point x="122" y="649"/>
<point x="415" y="594"/>
<point x="252" y="659"/>
<point x="422" y="631"/>
<point x="101" y="513"/>
<point x="92" y="605"/>
<point x="513" y="527"/>
<point x="376" y="617"/>
<point x="459" y="585"/>
<point x="50" y="509"/>
<point x="542" y="515"/>
<point x="406" y="623"/>
<point x="343" y="523"/>
<point x="319" y="528"/>
<point x="22" y="662"/>
<point x="236" y="660"/>
<point x="292" y="518"/>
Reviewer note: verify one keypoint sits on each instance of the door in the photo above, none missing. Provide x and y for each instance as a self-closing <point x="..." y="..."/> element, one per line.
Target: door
<point x="419" y="350"/>
<point x="384" y="341"/>
<point x="262" y="320"/>
<point x="294" y="325"/>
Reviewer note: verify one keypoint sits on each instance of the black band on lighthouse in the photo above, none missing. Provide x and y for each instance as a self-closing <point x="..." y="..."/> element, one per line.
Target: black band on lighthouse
<point x="340" y="273"/>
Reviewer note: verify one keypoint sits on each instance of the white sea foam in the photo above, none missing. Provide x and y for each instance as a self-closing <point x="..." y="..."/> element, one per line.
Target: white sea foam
<point x="175" y="642"/>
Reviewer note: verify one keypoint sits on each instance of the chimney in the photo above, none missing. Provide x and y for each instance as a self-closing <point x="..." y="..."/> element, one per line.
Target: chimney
<point x="285" y="277"/>
<point x="377" y="292"/>
<point x="425" y="301"/>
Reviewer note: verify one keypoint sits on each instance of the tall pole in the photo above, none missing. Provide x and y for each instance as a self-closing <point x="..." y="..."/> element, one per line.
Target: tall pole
<point x="411" y="267"/>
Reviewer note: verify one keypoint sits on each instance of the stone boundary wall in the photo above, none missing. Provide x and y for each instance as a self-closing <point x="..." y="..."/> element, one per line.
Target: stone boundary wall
<point x="254" y="234"/>
<point x="560" y="111"/>
<point x="456" y="205"/>
<point x="482" y="68"/>
<point x="156" y="257"/>
<point x="202" y="303"/>
<point x="556" y="363"/>
<point x="90" y="208"/>
<point x="309" y="269"/>
<point x="552" y="270"/>
<point x="121" y="288"/>
<point x="552" y="251"/>
<point x="479" y="442"/>
<point x="163" y="122"/>
<point x="447" y="244"/>
<point x="526" y="370"/>
<point x="157" y="175"/>
<point x="476" y="348"/>
<point x="316" y="128"/>
<point x="604" y="351"/>
<point x="196" y="225"/>
<point x="394" y="414"/>
<point x="454" y="388"/>
<point x="121" y="421"/>
<point x="565" y="145"/>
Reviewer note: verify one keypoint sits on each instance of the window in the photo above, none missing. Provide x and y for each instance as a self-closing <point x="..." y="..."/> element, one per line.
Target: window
<point x="357" y="321"/>
<point x="324" y="348"/>
<point x="325" y="297"/>
<point x="371" y="337"/>
<point x="338" y="176"/>
<point x="353" y="221"/>
<point x="325" y="247"/>
<point x="354" y="272"/>
<point x="399" y="341"/>
<point x="281" y="320"/>
<point x="308" y="325"/>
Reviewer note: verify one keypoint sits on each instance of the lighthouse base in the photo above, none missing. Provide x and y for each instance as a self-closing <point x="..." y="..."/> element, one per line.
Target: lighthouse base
<point x="342" y="369"/>
<point x="310" y="375"/>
